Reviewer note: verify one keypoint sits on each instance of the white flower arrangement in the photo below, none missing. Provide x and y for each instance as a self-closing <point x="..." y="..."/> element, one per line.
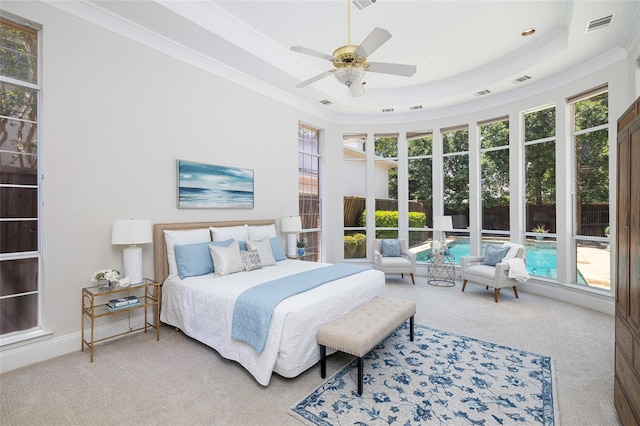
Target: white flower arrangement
<point x="106" y="274"/>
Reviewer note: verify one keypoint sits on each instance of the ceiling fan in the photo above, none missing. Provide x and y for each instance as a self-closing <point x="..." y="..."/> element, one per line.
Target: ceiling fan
<point x="350" y="61"/>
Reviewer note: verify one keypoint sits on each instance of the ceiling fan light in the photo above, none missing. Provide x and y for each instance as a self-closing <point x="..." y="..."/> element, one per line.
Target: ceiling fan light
<point x="349" y="75"/>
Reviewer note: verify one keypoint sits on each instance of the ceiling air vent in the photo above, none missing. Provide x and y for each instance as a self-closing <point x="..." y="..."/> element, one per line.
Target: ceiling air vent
<point x="363" y="4"/>
<point x="483" y="92"/>
<point x="326" y="102"/>
<point x="388" y="110"/>
<point x="522" y="79"/>
<point x="415" y="107"/>
<point x="596" y="24"/>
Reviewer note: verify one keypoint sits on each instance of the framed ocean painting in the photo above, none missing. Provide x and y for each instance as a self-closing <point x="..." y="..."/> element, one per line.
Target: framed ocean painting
<point x="207" y="186"/>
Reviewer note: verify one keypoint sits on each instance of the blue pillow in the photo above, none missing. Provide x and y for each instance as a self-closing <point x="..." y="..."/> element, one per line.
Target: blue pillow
<point x="193" y="259"/>
<point x="391" y="248"/>
<point x="225" y="243"/>
<point x="276" y="249"/>
<point x="493" y="256"/>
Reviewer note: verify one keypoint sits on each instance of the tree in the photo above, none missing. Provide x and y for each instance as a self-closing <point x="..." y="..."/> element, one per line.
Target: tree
<point x="456" y="171"/>
<point x="494" y="166"/>
<point x="421" y="170"/>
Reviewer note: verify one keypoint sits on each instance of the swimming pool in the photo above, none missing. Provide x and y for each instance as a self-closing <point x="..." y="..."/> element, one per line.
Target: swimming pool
<point x="541" y="259"/>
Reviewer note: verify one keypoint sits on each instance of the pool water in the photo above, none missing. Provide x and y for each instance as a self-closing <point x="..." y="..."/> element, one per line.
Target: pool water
<point x="541" y="261"/>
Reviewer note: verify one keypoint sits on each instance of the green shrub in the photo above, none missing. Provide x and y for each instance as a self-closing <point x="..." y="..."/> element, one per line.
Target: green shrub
<point x="350" y="246"/>
<point x="361" y="250"/>
<point x="389" y="219"/>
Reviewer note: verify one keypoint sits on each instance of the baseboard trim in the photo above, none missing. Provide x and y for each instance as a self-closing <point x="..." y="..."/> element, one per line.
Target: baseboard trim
<point x="22" y="355"/>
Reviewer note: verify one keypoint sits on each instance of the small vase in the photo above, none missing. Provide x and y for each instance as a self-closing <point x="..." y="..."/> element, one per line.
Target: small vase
<point x="104" y="285"/>
<point x="301" y="251"/>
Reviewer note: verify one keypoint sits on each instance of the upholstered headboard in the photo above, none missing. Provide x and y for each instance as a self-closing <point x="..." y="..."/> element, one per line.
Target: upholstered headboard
<point x="160" y="261"/>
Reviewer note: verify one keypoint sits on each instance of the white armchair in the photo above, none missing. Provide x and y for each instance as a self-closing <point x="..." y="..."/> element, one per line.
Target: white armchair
<point x="496" y="277"/>
<point x="403" y="264"/>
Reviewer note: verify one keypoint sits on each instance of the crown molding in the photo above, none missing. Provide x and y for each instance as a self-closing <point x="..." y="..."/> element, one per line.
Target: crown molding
<point x="98" y="16"/>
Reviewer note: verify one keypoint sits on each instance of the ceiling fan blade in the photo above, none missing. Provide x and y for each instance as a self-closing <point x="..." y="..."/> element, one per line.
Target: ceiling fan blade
<point x="387" y="68"/>
<point x="356" y="89"/>
<point x="312" y="52"/>
<point x="373" y="41"/>
<point x="314" y="79"/>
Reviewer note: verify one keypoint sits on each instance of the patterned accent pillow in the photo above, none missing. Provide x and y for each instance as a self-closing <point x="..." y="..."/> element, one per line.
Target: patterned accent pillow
<point x="493" y="256"/>
<point x="226" y="260"/>
<point x="251" y="260"/>
<point x="264" y="249"/>
<point x="391" y="248"/>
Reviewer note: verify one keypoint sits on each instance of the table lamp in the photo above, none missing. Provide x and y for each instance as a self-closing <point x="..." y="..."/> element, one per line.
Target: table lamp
<point x="443" y="224"/>
<point x="291" y="225"/>
<point x="132" y="232"/>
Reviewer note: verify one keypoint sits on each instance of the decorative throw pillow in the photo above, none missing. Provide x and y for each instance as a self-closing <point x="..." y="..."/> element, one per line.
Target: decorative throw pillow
<point x="226" y="260"/>
<point x="260" y="232"/>
<point x="251" y="259"/>
<point x="226" y="243"/>
<point x="276" y="249"/>
<point x="391" y="248"/>
<point x="182" y="237"/>
<point x="264" y="249"/>
<point x="193" y="259"/>
<point x="222" y="233"/>
<point x="493" y="256"/>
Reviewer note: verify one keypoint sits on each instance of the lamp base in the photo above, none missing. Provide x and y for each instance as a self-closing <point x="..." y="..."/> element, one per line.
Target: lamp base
<point x="132" y="263"/>
<point x="291" y="246"/>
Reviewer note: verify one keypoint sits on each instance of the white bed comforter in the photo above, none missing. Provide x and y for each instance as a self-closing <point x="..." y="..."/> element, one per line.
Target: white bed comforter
<point x="202" y="307"/>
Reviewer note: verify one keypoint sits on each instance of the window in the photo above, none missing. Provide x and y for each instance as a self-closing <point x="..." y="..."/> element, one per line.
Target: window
<point x="309" y="190"/>
<point x="590" y="140"/>
<point x="540" y="191"/>
<point x="420" y="188"/>
<point x="386" y="185"/>
<point x="455" y="149"/>
<point x="19" y="185"/>
<point x="455" y="180"/>
<point x="494" y="180"/>
<point x="354" y="189"/>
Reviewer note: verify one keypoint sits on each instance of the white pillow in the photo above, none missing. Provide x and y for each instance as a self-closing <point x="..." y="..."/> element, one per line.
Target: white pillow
<point x="224" y="233"/>
<point x="257" y="233"/>
<point x="264" y="250"/>
<point x="191" y="236"/>
<point x="513" y="250"/>
<point x="226" y="260"/>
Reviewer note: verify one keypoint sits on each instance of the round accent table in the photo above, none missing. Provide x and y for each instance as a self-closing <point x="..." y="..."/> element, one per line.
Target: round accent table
<point x="441" y="270"/>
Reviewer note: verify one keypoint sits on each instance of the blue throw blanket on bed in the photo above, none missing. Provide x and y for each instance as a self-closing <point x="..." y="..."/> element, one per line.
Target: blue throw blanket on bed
<point x="253" y="308"/>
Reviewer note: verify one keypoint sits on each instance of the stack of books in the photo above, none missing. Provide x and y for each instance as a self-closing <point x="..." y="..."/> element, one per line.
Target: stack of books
<point x="122" y="302"/>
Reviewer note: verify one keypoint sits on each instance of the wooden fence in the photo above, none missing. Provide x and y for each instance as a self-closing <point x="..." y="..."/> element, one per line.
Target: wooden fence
<point x="593" y="219"/>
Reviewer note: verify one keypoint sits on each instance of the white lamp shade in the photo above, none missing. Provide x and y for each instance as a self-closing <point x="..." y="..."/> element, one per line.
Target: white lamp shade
<point x="131" y="231"/>
<point x="442" y="223"/>
<point x="290" y="224"/>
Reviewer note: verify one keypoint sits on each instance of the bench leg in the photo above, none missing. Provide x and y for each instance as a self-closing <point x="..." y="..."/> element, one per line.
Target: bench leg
<point x="411" y="322"/>
<point x="360" y="371"/>
<point x="323" y="361"/>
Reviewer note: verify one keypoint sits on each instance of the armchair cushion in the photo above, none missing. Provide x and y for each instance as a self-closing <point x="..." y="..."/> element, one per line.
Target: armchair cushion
<point x="390" y="247"/>
<point x="493" y="256"/>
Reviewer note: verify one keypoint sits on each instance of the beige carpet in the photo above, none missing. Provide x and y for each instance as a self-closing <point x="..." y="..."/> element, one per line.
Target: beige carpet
<point x="177" y="381"/>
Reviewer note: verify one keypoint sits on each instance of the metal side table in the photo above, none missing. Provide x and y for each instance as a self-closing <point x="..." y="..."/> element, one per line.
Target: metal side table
<point x="441" y="270"/>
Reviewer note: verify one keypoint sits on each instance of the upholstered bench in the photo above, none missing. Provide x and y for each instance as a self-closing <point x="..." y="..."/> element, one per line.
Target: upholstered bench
<point x="361" y="330"/>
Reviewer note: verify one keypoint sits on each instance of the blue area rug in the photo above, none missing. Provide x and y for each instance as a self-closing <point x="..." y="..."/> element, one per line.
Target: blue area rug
<point x="439" y="378"/>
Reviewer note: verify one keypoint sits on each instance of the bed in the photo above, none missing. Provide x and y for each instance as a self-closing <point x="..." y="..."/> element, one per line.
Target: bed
<point x="202" y="305"/>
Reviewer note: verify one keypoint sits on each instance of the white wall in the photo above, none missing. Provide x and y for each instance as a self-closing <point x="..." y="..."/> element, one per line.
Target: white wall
<point x="115" y="118"/>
